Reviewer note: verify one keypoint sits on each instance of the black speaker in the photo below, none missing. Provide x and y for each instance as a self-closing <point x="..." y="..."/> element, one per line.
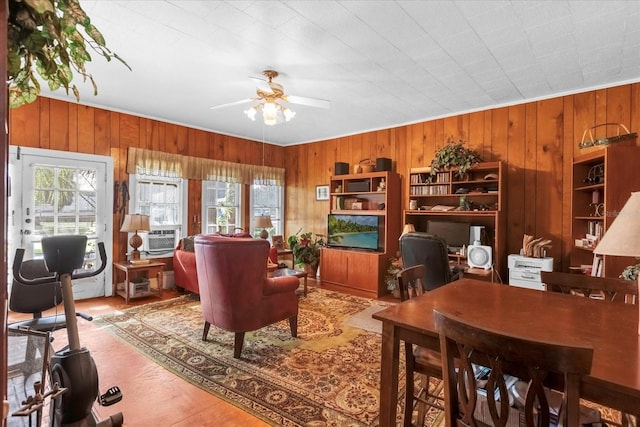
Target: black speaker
<point x="383" y="164"/>
<point x="341" y="168"/>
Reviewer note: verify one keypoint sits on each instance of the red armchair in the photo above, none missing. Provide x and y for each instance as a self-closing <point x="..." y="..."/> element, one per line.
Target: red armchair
<point x="184" y="263"/>
<point x="235" y="292"/>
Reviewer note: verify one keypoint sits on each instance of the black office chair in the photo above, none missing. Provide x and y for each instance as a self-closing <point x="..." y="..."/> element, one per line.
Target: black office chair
<point x="425" y="249"/>
<point x="35" y="298"/>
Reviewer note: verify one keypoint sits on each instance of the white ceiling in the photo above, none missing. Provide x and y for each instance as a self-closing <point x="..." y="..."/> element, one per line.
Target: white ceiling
<point x="381" y="63"/>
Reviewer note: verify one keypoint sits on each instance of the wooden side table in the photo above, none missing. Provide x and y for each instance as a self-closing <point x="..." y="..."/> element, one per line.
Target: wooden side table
<point x="136" y="283"/>
<point x="300" y="274"/>
<point x="285" y="253"/>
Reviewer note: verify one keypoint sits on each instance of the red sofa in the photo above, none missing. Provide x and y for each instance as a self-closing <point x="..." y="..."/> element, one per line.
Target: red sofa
<point x="184" y="262"/>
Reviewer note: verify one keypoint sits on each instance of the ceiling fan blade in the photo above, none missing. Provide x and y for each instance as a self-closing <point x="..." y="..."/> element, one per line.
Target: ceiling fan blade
<point x="262" y="84"/>
<point x="311" y="102"/>
<point x="244" y="101"/>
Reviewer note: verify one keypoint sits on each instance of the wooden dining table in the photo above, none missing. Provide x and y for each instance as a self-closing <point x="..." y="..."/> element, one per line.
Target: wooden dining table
<point x="611" y="329"/>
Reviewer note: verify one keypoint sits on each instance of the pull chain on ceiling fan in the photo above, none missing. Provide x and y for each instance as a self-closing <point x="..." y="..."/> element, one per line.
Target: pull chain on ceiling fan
<point x="270" y="99"/>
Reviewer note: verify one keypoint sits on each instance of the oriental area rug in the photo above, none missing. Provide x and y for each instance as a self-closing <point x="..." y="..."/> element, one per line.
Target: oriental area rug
<point x="328" y="376"/>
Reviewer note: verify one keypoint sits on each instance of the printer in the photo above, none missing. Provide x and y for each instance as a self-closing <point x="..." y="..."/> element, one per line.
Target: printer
<point x="525" y="271"/>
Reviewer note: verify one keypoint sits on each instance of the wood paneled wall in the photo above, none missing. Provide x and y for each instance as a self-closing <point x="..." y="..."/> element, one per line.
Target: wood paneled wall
<point x="59" y="125"/>
<point x="536" y="140"/>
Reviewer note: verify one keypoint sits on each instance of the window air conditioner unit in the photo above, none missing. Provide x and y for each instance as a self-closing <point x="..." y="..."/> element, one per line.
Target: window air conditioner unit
<point x="160" y="241"/>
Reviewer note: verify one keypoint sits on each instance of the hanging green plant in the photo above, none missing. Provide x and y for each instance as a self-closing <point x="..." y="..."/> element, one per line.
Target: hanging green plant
<point x="44" y="36"/>
<point x="454" y="154"/>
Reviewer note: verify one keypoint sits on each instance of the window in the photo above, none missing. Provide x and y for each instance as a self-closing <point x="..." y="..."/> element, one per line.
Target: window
<point x="267" y="200"/>
<point x="221" y="207"/>
<point x="165" y="201"/>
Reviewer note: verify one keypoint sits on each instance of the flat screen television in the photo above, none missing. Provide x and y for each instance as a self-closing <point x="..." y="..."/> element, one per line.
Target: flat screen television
<point x="353" y="231"/>
<point x="456" y="234"/>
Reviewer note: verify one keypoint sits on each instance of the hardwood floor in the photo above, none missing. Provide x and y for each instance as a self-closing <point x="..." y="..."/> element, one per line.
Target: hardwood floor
<point x="152" y="396"/>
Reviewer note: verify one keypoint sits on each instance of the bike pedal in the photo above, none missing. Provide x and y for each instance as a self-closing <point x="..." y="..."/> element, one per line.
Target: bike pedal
<point x="113" y="395"/>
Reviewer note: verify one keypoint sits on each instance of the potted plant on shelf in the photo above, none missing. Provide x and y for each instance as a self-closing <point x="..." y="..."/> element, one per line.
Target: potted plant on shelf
<point x="454" y="154"/>
<point x="630" y="272"/>
<point x="306" y="250"/>
<point x="391" y="278"/>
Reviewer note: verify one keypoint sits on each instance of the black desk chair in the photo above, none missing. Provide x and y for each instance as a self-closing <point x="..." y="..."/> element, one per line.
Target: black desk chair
<point x="36" y="298"/>
<point x="425" y="249"/>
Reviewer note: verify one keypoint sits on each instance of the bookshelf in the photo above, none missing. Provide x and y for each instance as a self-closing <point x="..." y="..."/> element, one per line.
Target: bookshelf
<point x="601" y="184"/>
<point x="477" y="199"/>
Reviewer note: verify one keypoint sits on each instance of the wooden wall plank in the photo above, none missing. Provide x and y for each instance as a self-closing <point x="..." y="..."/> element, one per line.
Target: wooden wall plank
<point x="475" y="140"/>
<point x="562" y="260"/>
<point x="85" y="136"/>
<point x="549" y="173"/>
<point x="44" y="135"/>
<point x="634" y="105"/>
<point x="72" y="127"/>
<point x="514" y="185"/>
<point x="25" y="126"/>
<point x="531" y="136"/>
<point x="102" y="135"/>
<point x="59" y="125"/>
<point x="618" y="107"/>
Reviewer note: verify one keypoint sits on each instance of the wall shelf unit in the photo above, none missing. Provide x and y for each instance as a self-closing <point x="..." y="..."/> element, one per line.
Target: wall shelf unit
<point x="602" y="183"/>
<point x="476" y="199"/>
<point x="357" y="271"/>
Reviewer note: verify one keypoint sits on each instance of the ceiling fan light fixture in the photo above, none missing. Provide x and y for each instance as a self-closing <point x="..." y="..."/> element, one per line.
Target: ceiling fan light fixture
<point x="270" y="113"/>
<point x="288" y="114"/>
<point x="251" y="113"/>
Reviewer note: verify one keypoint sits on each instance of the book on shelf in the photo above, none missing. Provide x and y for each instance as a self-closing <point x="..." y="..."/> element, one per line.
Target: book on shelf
<point x="442" y="208"/>
<point x="596" y="266"/>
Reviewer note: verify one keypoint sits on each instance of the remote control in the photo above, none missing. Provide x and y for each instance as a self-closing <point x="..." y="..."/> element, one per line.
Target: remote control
<point x="113" y="395"/>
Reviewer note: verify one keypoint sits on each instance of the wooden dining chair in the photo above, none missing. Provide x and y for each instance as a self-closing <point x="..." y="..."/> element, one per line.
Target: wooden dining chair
<point x="419" y="359"/>
<point x="529" y="360"/>
<point x="599" y="288"/>
<point x="607" y="288"/>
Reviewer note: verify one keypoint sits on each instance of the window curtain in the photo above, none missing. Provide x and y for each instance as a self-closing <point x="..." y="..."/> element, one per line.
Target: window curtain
<point x="149" y="162"/>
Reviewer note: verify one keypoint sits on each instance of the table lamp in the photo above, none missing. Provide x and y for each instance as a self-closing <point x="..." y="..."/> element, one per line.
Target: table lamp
<point x="408" y="228"/>
<point x="622" y="238"/>
<point x="264" y="222"/>
<point x="134" y="223"/>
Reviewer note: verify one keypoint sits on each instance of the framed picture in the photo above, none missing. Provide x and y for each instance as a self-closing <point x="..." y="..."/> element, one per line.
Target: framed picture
<point x="278" y="242"/>
<point x="322" y="192"/>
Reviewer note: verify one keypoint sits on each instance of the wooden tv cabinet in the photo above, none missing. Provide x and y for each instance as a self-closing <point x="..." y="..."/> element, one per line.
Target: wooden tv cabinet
<point x="361" y="272"/>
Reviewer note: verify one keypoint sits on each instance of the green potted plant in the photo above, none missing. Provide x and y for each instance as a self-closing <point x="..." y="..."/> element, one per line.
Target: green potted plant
<point x="454" y="154"/>
<point x="630" y="272"/>
<point x="391" y="278"/>
<point x="44" y="36"/>
<point x="306" y="250"/>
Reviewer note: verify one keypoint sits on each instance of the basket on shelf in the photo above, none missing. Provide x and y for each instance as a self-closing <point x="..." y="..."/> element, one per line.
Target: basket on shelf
<point x="592" y="142"/>
<point x="364" y="166"/>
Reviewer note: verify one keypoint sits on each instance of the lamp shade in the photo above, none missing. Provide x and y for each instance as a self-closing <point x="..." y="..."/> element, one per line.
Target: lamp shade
<point x="622" y="238"/>
<point x="408" y="228"/>
<point x="135" y="222"/>
<point x="262" y="221"/>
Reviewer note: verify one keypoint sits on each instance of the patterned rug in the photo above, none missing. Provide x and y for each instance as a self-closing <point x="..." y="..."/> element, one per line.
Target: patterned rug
<point x="328" y="376"/>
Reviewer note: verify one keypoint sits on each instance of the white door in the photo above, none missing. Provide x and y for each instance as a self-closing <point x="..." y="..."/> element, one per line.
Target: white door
<point x="61" y="193"/>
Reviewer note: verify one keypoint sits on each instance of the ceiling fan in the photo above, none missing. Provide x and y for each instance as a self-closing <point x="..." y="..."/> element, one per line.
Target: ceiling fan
<point x="272" y="99"/>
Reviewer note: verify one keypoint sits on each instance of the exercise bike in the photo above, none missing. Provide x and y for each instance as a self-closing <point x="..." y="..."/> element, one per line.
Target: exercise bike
<point x="71" y="369"/>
